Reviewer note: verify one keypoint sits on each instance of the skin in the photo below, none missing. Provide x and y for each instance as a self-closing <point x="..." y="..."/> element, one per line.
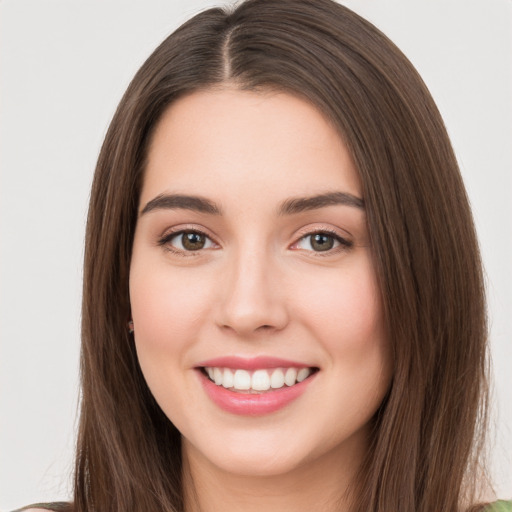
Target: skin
<point x="258" y="287"/>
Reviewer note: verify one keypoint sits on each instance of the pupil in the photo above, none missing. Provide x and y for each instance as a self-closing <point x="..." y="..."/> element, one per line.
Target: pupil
<point x="193" y="241"/>
<point x="321" y="242"/>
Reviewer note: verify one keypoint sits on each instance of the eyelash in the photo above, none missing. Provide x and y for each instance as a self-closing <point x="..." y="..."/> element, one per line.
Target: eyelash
<point x="344" y="244"/>
<point x="166" y="239"/>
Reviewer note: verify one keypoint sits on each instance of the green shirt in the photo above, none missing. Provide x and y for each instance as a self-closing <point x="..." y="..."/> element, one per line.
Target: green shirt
<point x="500" y="506"/>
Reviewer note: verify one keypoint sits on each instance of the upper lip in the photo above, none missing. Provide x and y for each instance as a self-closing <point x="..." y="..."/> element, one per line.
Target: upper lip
<point x="251" y="363"/>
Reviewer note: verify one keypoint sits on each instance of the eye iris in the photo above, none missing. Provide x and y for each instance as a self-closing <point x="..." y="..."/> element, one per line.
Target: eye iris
<point x="322" y="242"/>
<point x="193" y="241"/>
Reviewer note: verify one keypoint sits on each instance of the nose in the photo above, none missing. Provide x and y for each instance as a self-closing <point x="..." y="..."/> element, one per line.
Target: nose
<point x="252" y="298"/>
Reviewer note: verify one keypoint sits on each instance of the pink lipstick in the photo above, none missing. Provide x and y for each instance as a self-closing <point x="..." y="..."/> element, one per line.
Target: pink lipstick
<point x="254" y="386"/>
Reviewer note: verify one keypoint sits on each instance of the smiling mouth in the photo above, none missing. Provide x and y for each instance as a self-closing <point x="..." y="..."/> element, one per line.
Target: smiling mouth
<point x="256" y="381"/>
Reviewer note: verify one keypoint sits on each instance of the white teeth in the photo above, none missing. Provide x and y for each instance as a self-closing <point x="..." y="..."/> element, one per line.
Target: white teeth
<point x="290" y="377"/>
<point x="303" y="374"/>
<point x="228" y="378"/>
<point x="217" y="376"/>
<point x="277" y="379"/>
<point x="242" y="380"/>
<point x="258" y="380"/>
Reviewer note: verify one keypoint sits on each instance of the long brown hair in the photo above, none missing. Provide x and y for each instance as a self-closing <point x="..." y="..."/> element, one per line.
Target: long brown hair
<point x="427" y="433"/>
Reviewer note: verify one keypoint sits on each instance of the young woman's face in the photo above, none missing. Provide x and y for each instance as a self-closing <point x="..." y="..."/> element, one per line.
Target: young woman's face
<point x="252" y="268"/>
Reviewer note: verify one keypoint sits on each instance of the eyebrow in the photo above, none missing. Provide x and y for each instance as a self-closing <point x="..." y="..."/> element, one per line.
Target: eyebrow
<point x="289" y="207"/>
<point x="302" y="204"/>
<point x="180" y="201"/>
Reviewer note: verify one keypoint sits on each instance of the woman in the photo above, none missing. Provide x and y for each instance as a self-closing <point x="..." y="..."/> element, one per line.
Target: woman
<point x="283" y="298"/>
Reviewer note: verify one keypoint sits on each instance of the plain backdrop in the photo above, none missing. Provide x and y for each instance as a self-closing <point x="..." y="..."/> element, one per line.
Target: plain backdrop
<point x="64" y="66"/>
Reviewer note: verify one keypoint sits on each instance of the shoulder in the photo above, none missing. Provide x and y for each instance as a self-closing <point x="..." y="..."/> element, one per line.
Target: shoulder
<point x="45" y="507"/>
<point x="499" y="506"/>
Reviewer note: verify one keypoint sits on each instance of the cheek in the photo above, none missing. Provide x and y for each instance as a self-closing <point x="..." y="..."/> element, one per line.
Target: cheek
<point x="344" y="308"/>
<point x="166" y="306"/>
<point x="344" y="313"/>
<point x="166" y="309"/>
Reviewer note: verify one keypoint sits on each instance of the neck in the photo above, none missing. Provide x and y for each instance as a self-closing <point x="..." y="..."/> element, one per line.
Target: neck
<point x="320" y="484"/>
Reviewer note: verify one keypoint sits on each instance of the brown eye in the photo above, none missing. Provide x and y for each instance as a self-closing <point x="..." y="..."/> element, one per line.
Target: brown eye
<point x="187" y="241"/>
<point x="321" y="242"/>
<point x="193" y="241"/>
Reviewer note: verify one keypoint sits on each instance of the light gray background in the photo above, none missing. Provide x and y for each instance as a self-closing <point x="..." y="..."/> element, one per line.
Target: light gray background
<point x="64" y="66"/>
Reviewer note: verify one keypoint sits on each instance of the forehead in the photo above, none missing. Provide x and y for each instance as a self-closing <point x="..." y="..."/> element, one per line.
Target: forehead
<point x="215" y="142"/>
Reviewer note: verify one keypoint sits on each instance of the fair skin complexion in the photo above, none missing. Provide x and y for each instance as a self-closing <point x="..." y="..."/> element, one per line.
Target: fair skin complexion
<point x="248" y="277"/>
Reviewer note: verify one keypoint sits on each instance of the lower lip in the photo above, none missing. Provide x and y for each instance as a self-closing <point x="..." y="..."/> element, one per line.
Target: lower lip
<point x="248" y="404"/>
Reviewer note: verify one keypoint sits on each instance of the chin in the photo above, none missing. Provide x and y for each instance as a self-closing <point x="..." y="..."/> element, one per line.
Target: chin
<point x="257" y="453"/>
